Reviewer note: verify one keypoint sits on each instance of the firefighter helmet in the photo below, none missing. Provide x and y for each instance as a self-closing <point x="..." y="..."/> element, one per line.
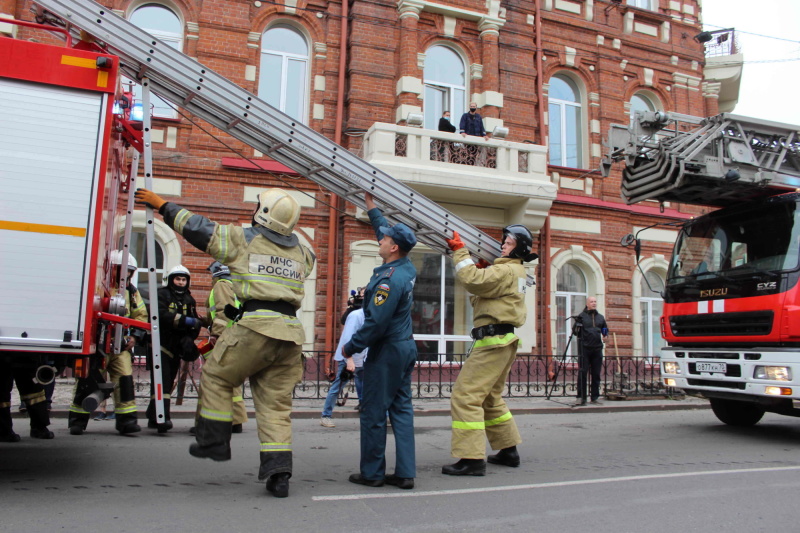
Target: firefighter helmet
<point x="218" y="270"/>
<point x="179" y="270"/>
<point x="524" y="242"/>
<point x="278" y="211"/>
<point x="116" y="259"/>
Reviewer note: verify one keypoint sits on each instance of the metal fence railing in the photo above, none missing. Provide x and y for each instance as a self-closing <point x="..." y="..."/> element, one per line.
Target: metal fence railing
<point x="623" y="376"/>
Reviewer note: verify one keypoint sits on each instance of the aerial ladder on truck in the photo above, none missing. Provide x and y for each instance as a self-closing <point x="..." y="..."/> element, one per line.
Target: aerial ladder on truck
<point x="199" y="90"/>
<point x="717" y="161"/>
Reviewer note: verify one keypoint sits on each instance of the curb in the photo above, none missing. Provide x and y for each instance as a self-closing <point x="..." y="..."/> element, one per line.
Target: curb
<point x="563" y="408"/>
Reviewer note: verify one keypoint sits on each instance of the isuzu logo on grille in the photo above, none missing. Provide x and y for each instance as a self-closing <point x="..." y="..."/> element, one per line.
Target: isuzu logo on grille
<point x="710" y="293"/>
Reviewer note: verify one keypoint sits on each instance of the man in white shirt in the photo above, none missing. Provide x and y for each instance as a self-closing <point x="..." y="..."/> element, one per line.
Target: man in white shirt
<point x="354" y="321"/>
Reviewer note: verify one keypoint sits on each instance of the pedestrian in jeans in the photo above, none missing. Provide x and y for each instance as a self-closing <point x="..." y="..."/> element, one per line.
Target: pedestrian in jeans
<point x="354" y="321"/>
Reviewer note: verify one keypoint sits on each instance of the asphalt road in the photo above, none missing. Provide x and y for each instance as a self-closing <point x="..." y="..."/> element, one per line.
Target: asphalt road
<point x="615" y="472"/>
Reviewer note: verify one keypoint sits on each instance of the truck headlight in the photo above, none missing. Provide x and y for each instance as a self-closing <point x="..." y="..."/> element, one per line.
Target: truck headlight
<point x="774" y="373"/>
<point x="671" y="367"/>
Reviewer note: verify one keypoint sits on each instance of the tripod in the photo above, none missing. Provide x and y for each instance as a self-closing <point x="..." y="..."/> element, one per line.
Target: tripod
<point x="576" y="328"/>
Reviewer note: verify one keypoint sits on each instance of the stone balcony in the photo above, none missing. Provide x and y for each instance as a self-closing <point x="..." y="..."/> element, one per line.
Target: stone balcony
<point x="488" y="183"/>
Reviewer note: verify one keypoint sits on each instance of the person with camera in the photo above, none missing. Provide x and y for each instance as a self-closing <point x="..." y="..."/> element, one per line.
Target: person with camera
<point x="353" y="322"/>
<point x="591" y="330"/>
<point x="476" y="405"/>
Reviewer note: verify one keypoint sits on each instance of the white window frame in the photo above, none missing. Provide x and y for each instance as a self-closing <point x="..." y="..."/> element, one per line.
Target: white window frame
<point x="433" y="111"/>
<point x="650" y="5"/>
<point x="562" y="106"/>
<point x="564" y="327"/>
<point x="442" y="338"/>
<point x="160" y="107"/>
<point x="286" y="58"/>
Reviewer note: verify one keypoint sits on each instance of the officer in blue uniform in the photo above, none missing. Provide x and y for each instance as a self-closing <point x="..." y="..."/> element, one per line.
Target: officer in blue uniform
<point x="392" y="353"/>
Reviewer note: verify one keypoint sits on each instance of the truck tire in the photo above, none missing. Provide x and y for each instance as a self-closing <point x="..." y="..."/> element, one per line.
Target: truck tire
<point x="735" y="413"/>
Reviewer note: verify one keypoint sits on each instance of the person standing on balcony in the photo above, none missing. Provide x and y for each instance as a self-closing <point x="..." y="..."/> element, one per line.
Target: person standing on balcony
<point x="477" y="406"/>
<point x="388" y="300"/>
<point x="472" y="123"/>
<point x="444" y="123"/>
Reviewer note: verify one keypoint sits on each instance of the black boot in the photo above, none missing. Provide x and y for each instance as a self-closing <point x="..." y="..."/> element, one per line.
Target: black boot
<point x="466" y="467"/>
<point x="127" y="424"/>
<point x="278" y="484"/>
<point x="7" y="426"/>
<point x="273" y="463"/>
<point x="213" y="440"/>
<point x="41" y="433"/>
<point x="77" y="423"/>
<point x="151" y="417"/>
<point x="506" y="456"/>
<point x="40" y="419"/>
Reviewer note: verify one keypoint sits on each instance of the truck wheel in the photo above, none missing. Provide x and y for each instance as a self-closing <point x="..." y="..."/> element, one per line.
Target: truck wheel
<point x="735" y="413"/>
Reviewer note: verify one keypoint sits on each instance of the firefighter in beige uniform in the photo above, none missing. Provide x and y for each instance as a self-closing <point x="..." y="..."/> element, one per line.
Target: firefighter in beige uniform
<point x="477" y="406"/>
<point x="119" y="365"/>
<point x="268" y="268"/>
<point x="221" y="295"/>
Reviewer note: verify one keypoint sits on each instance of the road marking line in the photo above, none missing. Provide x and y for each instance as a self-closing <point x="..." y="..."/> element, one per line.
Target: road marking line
<point x="557" y="484"/>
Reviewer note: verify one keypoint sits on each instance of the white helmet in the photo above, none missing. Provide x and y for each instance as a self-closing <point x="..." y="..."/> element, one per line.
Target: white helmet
<point x="278" y="211"/>
<point x="179" y="270"/>
<point x="116" y="259"/>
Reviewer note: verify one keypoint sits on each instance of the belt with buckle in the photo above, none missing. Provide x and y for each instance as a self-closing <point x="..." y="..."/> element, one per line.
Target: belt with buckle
<point x="491" y="330"/>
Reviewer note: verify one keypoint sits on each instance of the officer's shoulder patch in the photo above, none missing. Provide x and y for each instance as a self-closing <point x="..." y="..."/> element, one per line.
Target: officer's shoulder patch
<point x="384" y="286"/>
<point x="381" y="295"/>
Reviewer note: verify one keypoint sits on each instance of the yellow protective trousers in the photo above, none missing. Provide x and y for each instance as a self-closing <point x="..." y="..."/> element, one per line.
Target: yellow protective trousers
<point x="477" y="406"/>
<point x="239" y="407"/>
<point x="119" y="365"/>
<point x="274" y="368"/>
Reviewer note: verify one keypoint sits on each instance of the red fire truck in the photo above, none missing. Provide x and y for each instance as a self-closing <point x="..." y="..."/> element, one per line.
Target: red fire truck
<point x="732" y="301"/>
<point x="60" y="173"/>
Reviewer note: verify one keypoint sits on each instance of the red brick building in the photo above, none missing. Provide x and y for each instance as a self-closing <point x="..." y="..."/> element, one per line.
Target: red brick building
<point x="549" y="78"/>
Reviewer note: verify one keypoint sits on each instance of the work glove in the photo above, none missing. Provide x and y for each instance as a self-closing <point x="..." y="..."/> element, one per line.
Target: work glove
<point x="191" y="323"/>
<point x="483" y="263"/>
<point x="455" y="243"/>
<point x="150" y="198"/>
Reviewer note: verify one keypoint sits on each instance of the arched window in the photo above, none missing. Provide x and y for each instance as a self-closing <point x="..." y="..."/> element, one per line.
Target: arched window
<point x="283" y="77"/>
<point x="640" y="102"/>
<point x="651" y="305"/>
<point x="442" y="314"/>
<point x="566" y="141"/>
<point x="571" y="294"/>
<point x="445" y="85"/>
<point x="163" y="24"/>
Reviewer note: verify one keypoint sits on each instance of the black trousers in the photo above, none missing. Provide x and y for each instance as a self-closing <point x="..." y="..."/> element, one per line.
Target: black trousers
<point x="32" y="394"/>
<point x="590" y="362"/>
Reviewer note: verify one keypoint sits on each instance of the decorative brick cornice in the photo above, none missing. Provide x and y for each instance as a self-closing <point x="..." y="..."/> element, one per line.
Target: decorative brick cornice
<point x="489" y="22"/>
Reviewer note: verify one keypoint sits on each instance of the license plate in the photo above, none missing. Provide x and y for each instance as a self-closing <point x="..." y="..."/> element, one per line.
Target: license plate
<point x="720" y="368"/>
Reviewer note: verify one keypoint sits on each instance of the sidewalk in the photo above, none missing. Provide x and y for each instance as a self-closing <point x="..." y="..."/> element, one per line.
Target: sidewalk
<point x="311" y="408"/>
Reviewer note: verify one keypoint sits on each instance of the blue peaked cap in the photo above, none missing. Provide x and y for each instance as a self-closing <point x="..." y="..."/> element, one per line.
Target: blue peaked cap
<point x="401" y="235"/>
